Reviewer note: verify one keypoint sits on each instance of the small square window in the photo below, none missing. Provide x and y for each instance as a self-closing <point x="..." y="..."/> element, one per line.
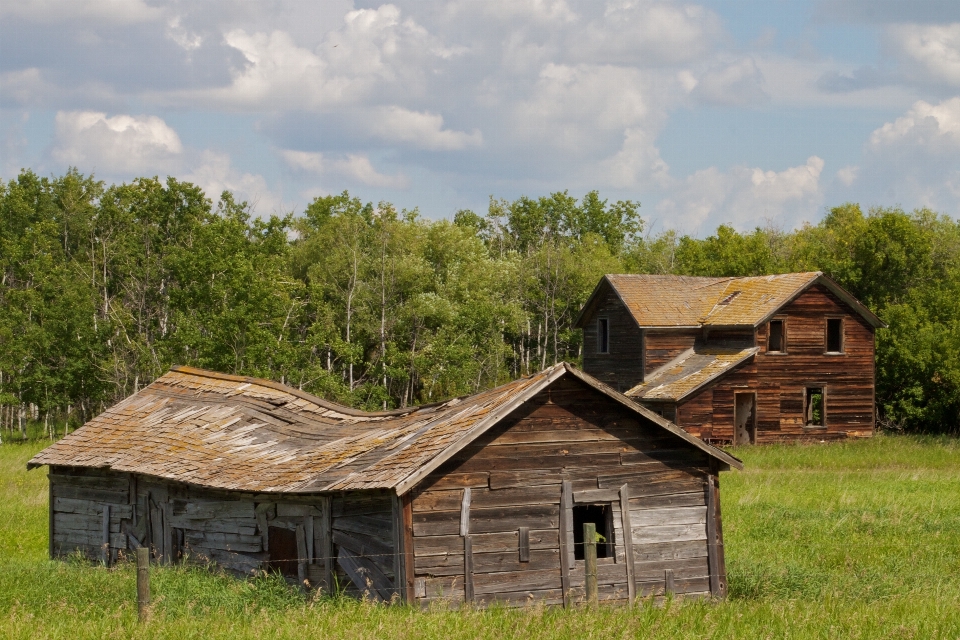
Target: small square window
<point x="834" y="335"/>
<point x="602" y="516"/>
<point x="815" y="407"/>
<point x="603" y="335"/>
<point x="775" y="341"/>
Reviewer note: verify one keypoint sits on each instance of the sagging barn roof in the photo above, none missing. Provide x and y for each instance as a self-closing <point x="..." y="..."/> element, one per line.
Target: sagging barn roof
<point x="691" y="370"/>
<point x="246" y="434"/>
<point x="664" y="301"/>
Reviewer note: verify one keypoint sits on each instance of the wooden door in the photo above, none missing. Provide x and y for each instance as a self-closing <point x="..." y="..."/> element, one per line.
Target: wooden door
<point x="745" y="417"/>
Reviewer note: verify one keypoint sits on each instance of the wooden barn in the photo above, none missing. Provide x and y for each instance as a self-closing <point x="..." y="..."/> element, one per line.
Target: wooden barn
<point x="737" y="360"/>
<point x="477" y="499"/>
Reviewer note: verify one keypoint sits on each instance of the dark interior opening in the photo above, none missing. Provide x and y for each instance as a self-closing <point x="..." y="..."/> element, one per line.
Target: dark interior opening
<point x="814" y="411"/>
<point x="775" y="342"/>
<point x="603" y="335"/>
<point x="834" y="335"/>
<point x="283" y="551"/>
<point x="600" y="515"/>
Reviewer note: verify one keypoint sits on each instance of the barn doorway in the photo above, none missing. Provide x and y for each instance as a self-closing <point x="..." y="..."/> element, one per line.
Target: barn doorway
<point x="283" y="550"/>
<point x="745" y="418"/>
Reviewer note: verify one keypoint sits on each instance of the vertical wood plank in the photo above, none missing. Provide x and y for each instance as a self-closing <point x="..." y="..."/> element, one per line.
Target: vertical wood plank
<point x="105" y="541"/>
<point x="308" y="534"/>
<point x="465" y="512"/>
<point x="396" y="524"/>
<point x="167" y="532"/>
<point x="712" y="537"/>
<point x="467" y="569"/>
<point x="590" y="561"/>
<point x="524" y="544"/>
<point x="668" y="585"/>
<point x="721" y="562"/>
<point x="408" y="549"/>
<point x="467" y="546"/>
<point x="326" y="541"/>
<point x="301" y="555"/>
<point x="628" y="542"/>
<point x="50" y="515"/>
<point x="132" y="498"/>
<point x="566" y="537"/>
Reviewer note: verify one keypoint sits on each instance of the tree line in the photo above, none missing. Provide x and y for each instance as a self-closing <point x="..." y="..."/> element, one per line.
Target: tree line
<point x="104" y="287"/>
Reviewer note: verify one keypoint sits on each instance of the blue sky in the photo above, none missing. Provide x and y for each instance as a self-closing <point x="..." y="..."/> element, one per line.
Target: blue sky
<point x="748" y="113"/>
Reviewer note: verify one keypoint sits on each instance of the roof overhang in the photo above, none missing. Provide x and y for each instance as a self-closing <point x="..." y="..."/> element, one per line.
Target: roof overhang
<point x="411" y="481"/>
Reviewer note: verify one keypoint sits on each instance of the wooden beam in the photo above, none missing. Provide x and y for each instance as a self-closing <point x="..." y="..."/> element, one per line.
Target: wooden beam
<point x="301" y="555"/>
<point x="566" y="536"/>
<point x="105" y="542"/>
<point x="712" y="537"/>
<point x="467" y="546"/>
<point x="50" y="546"/>
<point x="326" y="541"/>
<point x="409" y="559"/>
<point x="524" y="542"/>
<point x="465" y="512"/>
<point x="721" y="562"/>
<point x="467" y="569"/>
<point x="628" y="542"/>
<point x="396" y="526"/>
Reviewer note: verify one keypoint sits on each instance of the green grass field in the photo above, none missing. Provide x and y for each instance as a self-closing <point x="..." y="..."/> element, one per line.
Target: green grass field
<point x="852" y="540"/>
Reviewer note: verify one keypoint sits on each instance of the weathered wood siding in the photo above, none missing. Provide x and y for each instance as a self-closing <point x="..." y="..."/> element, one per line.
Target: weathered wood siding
<point x="664" y="346"/>
<point x="515" y="477"/>
<point x="349" y="536"/>
<point x="781" y="378"/>
<point x="622" y="368"/>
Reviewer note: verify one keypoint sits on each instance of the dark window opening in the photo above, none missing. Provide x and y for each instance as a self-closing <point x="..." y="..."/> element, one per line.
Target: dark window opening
<point x="283" y="550"/>
<point x="602" y="516"/>
<point x="775" y="341"/>
<point x="603" y="335"/>
<point x="834" y="335"/>
<point x="815" y="409"/>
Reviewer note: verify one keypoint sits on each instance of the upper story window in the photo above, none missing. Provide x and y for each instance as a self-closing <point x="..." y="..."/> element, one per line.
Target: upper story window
<point x="603" y="335"/>
<point x="776" y="338"/>
<point x="834" y="335"/>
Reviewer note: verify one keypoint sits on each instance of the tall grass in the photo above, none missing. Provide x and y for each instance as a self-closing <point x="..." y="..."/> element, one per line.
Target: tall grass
<point x="851" y="540"/>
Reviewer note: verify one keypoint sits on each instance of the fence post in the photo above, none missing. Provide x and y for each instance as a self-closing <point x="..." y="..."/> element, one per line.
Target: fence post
<point x="590" y="561"/>
<point x="143" y="583"/>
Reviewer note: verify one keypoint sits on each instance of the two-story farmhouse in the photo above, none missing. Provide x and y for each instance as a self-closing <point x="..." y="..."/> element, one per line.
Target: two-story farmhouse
<point x="737" y="360"/>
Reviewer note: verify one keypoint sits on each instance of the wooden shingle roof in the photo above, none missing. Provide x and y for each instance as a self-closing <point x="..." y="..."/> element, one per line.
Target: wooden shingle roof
<point x="667" y="301"/>
<point x="246" y="434"/>
<point x="690" y="371"/>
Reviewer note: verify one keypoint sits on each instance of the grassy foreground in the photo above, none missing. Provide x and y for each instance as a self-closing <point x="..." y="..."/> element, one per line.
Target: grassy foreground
<point x="852" y="540"/>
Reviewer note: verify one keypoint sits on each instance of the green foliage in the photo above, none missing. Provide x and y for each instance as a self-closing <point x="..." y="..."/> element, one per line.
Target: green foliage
<point x="104" y="288"/>
<point x="858" y="539"/>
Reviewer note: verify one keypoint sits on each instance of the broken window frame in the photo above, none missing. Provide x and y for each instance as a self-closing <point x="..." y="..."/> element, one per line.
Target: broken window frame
<point x="808" y="407"/>
<point x="603" y="335"/>
<point x="783" y="335"/>
<point x="826" y="335"/>
<point x="605" y="528"/>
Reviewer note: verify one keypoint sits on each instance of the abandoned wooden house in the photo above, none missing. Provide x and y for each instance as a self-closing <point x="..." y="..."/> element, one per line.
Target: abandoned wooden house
<point x="477" y="499"/>
<point x="737" y="360"/>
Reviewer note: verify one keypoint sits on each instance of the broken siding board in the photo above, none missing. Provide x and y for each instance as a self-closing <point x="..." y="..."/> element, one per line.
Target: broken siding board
<point x="486" y="520"/>
<point x="486" y="542"/>
<point x="491" y="562"/>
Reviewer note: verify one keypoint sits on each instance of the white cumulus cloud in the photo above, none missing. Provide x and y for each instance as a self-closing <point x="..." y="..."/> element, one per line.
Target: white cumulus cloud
<point x="353" y="166"/>
<point x="745" y="197"/>
<point x="931" y="51"/>
<point x="122" y="143"/>
<point x="424" y="130"/>
<point x="214" y="173"/>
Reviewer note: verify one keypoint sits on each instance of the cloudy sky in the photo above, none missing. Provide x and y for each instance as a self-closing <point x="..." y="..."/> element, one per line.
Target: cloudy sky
<point x="745" y="112"/>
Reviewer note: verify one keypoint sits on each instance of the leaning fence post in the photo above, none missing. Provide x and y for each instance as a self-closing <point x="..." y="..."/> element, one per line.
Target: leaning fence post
<point x="590" y="561"/>
<point x="143" y="583"/>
